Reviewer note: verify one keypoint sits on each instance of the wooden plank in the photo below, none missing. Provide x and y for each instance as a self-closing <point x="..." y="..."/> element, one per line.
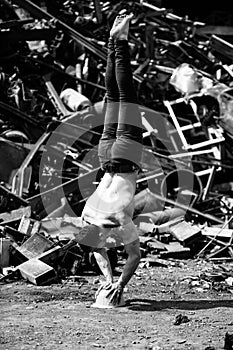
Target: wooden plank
<point x="151" y="260"/>
<point x="156" y="245"/>
<point x="15" y="214"/>
<point x="213" y="231"/>
<point x="176" y="250"/>
<point x="215" y="30"/>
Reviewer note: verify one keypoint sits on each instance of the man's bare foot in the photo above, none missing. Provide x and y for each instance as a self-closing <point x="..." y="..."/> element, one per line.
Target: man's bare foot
<point x="120" y="27"/>
<point x="116" y="22"/>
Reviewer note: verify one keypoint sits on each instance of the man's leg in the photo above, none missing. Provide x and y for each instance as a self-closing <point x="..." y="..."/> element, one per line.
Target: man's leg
<point x="112" y="106"/>
<point x="128" y="144"/>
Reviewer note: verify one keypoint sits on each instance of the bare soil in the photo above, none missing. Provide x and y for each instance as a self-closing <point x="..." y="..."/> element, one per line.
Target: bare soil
<point x="60" y="316"/>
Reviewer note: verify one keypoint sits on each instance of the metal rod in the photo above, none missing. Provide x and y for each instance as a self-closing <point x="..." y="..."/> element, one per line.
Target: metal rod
<point x="207" y="245"/>
<point x="185" y="207"/>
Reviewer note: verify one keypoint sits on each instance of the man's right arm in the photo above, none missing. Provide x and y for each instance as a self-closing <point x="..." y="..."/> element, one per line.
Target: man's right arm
<point x="103" y="262"/>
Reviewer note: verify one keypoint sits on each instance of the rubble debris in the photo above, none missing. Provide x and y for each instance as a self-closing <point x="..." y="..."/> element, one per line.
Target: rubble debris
<point x="156" y="245"/>
<point x="39" y="268"/>
<point x="176" y="250"/>
<point x="34" y="246"/>
<point x="217" y="232"/>
<point x="37" y="272"/>
<point x="181" y="319"/>
<point x="28" y="226"/>
<point x="13" y="234"/>
<point x="215" y="279"/>
<point x="153" y="261"/>
<point x="4" y="252"/>
<point x="226" y="246"/>
<point x="15" y="215"/>
<point x="185" y="233"/>
<point x="10" y="201"/>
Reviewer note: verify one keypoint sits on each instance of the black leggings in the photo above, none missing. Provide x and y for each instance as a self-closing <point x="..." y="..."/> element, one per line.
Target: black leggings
<point x="122" y="134"/>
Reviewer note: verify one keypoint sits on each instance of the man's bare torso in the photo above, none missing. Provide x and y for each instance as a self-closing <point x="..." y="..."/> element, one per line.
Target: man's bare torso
<point x="113" y="201"/>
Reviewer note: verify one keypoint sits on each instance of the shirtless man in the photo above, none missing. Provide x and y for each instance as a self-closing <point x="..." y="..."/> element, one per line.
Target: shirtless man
<point x="110" y="208"/>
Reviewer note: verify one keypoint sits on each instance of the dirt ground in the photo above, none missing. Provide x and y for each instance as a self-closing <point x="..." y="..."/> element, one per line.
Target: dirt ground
<point x="60" y="316"/>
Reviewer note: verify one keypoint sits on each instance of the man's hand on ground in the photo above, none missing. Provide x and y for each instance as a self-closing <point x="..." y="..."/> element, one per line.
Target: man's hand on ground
<point x="104" y="285"/>
<point x="115" y="293"/>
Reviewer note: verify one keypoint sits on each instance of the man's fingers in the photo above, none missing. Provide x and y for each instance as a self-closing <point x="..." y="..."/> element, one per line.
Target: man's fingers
<point x="98" y="291"/>
<point x="114" y="292"/>
<point x="110" y="292"/>
<point x="103" y="286"/>
<point x="118" y="297"/>
<point x="108" y="286"/>
<point x="113" y="298"/>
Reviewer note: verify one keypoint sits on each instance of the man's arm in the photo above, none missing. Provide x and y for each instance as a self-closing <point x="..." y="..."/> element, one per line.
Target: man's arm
<point x="116" y="289"/>
<point x="103" y="262"/>
<point x="134" y="256"/>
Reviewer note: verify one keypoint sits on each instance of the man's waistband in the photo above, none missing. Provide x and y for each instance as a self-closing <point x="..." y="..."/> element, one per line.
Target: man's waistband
<point x="120" y="168"/>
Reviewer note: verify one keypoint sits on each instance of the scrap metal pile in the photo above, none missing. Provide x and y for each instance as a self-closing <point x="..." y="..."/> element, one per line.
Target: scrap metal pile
<point x="52" y="67"/>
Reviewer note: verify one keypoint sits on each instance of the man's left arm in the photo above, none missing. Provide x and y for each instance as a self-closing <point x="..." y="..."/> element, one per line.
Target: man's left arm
<point x="117" y="288"/>
<point x="133" y="251"/>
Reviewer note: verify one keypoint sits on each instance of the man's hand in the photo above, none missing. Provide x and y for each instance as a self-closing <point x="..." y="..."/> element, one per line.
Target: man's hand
<point x="115" y="294"/>
<point x="104" y="285"/>
<point x="115" y="291"/>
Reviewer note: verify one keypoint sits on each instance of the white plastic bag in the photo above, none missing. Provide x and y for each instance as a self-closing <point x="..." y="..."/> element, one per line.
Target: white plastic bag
<point x="185" y="79"/>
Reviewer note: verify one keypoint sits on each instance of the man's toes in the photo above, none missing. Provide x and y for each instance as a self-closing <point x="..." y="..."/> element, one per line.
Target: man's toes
<point x="121" y="26"/>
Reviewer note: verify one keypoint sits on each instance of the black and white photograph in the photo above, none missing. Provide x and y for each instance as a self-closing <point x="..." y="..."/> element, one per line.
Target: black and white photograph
<point x="116" y="175"/>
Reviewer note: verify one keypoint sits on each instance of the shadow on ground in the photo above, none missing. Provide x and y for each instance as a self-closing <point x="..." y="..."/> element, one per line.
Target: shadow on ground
<point x="154" y="305"/>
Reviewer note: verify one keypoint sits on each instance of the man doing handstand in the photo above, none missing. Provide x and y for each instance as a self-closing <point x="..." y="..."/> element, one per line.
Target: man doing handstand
<point x="110" y="208"/>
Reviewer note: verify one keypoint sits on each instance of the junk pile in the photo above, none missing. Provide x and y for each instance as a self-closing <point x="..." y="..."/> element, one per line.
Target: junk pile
<point x="52" y="69"/>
